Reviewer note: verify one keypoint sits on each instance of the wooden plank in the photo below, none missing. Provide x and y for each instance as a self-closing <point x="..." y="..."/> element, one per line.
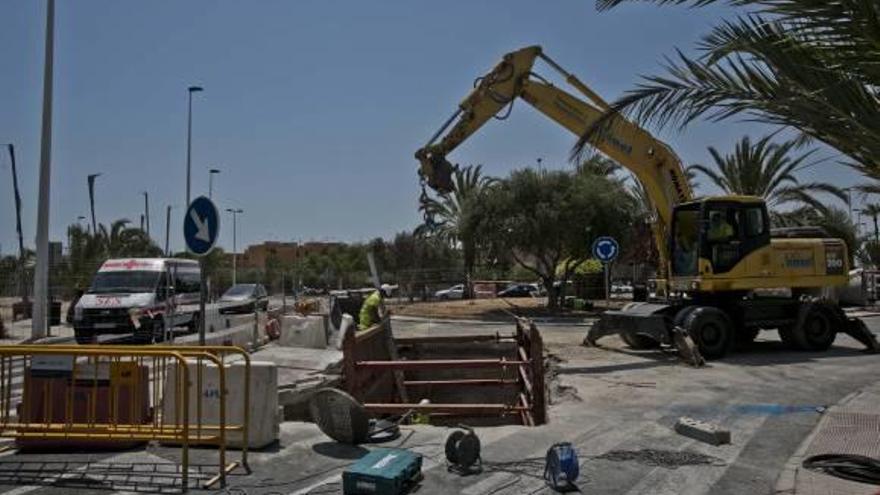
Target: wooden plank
<point x="420" y="364"/>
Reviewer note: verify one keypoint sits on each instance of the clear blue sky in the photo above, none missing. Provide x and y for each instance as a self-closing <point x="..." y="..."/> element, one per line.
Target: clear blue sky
<point x="312" y="108"/>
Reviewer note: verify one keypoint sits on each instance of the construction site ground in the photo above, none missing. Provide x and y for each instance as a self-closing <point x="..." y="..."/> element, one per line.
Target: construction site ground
<point x="618" y="408"/>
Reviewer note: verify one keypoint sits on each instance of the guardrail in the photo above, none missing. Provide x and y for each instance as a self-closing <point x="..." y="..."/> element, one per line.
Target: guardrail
<point x="112" y="396"/>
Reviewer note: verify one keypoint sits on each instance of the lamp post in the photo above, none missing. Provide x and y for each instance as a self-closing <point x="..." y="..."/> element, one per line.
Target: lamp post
<point x="39" y="326"/>
<point x="167" y="229"/>
<point x="91" y="180"/>
<point x="211" y="182"/>
<point x="190" y="90"/>
<point x="147" y="210"/>
<point x="234" y="240"/>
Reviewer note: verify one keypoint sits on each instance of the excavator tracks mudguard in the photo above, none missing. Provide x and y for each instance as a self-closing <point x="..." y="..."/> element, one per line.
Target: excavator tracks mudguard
<point x="643" y="319"/>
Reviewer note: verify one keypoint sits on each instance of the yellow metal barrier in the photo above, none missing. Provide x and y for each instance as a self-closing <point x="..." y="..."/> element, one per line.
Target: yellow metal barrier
<point x="113" y="396"/>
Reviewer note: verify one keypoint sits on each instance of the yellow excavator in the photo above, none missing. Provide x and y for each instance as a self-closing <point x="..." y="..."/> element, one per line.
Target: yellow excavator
<point x="723" y="274"/>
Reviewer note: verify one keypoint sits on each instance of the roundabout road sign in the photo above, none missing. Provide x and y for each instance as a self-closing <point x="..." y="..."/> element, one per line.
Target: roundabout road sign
<point x="201" y="226"/>
<point x="605" y="249"/>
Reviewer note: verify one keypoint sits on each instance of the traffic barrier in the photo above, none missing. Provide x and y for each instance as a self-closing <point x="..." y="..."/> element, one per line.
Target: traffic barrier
<point x="113" y="396"/>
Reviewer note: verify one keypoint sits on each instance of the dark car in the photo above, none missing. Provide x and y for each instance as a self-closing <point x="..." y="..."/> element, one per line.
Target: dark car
<point x="519" y="290"/>
<point x="244" y="298"/>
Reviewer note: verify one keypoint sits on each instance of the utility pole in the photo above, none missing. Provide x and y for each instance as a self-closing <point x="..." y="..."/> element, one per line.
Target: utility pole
<point x="234" y="240"/>
<point x="39" y="321"/>
<point x="147" y="210"/>
<point x="21" y="284"/>
<point x="167" y="228"/>
<point x="190" y="90"/>
<point x="211" y="182"/>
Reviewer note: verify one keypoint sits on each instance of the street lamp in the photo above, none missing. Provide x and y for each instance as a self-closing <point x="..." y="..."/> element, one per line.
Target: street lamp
<point x="190" y="91"/>
<point x="91" y="179"/>
<point x="234" y="239"/>
<point x="211" y="173"/>
<point x="147" y="210"/>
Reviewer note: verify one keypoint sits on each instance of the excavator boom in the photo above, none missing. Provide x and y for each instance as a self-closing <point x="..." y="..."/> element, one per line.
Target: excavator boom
<point x="651" y="161"/>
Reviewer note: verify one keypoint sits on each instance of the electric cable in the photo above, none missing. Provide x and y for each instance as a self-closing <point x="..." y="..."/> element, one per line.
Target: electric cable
<point x="846" y="466"/>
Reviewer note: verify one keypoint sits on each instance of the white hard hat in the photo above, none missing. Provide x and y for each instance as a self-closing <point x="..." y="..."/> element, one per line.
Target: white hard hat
<point x="386" y="289"/>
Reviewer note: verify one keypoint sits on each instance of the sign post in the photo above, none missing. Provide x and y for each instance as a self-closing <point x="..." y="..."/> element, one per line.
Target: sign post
<point x="201" y="225"/>
<point x="605" y="249"/>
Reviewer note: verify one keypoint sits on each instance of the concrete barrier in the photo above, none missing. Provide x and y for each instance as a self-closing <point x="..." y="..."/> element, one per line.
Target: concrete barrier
<point x="304" y="331"/>
<point x="263" y="418"/>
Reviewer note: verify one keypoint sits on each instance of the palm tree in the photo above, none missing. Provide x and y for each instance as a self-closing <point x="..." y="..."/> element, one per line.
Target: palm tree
<point x="873" y="211"/>
<point x="808" y="64"/>
<point x="766" y="169"/>
<point x="458" y="214"/>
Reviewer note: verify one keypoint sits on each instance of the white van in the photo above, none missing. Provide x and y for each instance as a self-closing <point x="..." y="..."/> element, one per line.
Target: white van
<point x="139" y="296"/>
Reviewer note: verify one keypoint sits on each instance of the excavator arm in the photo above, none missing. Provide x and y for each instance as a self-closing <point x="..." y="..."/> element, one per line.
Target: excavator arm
<point x="651" y="161"/>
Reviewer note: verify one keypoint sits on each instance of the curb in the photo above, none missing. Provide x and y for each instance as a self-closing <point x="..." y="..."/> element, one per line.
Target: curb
<point x="787" y="481"/>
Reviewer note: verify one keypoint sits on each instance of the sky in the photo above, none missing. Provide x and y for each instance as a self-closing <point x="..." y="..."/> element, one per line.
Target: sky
<point x="312" y="109"/>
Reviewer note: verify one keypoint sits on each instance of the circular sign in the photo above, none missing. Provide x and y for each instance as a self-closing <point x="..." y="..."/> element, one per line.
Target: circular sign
<point x="201" y="226"/>
<point x="605" y="249"/>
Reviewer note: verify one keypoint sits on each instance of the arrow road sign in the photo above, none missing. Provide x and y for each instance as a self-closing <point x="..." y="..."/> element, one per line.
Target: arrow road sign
<point x="201" y="226"/>
<point x="605" y="249"/>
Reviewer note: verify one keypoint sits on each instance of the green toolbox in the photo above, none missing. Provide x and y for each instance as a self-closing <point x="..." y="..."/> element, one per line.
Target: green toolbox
<point x="383" y="472"/>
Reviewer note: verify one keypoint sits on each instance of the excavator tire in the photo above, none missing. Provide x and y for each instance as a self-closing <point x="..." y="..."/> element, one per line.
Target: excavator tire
<point x="818" y="330"/>
<point x="711" y="330"/>
<point x="786" y="335"/>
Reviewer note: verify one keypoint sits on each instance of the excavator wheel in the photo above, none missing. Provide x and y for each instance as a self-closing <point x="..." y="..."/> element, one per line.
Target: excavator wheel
<point x="817" y="330"/>
<point x="786" y="335"/>
<point x="711" y="330"/>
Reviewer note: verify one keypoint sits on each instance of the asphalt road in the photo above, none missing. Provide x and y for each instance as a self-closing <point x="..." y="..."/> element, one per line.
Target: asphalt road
<point x="616" y="406"/>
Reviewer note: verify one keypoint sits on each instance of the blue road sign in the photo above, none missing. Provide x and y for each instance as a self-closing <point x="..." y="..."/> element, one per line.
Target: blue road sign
<point x="605" y="249"/>
<point x="201" y="225"/>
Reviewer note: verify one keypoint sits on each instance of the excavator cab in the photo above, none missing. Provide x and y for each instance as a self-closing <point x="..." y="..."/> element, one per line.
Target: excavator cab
<point x="713" y="235"/>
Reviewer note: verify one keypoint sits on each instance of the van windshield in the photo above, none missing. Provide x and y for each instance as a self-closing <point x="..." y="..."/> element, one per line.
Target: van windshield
<point x="127" y="281"/>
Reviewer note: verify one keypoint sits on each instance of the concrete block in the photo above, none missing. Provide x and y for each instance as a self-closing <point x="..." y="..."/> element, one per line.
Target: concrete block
<point x="262" y="408"/>
<point x="303" y="331"/>
<point x="702" y="431"/>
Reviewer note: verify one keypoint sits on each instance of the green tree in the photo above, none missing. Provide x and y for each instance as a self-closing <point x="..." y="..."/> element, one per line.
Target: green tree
<point x="545" y="220"/>
<point x="808" y="64"/>
<point x="766" y="169"/>
<point x="458" y="214"/>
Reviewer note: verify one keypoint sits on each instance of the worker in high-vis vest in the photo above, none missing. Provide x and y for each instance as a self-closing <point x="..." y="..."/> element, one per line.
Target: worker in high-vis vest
<point x="372" y="308"/>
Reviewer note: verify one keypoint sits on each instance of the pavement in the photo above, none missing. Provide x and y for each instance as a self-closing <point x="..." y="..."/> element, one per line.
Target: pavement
<point x="617" y="407"/>
<point x="852" y="426"/>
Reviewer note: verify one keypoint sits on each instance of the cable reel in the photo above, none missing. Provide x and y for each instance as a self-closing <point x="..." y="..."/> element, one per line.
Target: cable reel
<point x="463" y="452"/>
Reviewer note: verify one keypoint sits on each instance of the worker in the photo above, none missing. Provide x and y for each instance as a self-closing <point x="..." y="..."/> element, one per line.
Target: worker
<point x="719" y="229"/>
<point x="372" y="307"/>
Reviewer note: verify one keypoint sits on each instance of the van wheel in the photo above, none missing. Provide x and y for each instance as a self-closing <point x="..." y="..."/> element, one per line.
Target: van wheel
<point x="193" y="325"/>
<point x="817" y="332"/>
<point x="711" y="330"/>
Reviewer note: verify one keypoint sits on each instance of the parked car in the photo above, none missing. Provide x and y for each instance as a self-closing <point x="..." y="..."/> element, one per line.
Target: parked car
<point x="244" y="298"/>
<point x="519" y="290"/>
<point x="139" y="296"/>
<point x="454" y="292"/>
